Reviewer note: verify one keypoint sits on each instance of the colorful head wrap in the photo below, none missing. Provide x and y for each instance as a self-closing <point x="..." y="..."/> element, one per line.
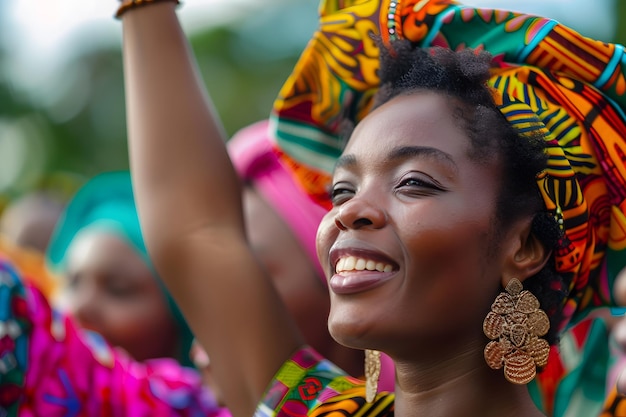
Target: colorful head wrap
<point x="107" y="202"/>
<point x="549" y="78"/>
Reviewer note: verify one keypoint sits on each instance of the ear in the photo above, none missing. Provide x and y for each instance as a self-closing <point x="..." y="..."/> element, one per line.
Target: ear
<point x="525" y="254"/>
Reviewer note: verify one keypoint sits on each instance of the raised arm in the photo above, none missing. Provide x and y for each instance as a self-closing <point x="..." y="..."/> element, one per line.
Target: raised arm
<point x="189" y="202"/>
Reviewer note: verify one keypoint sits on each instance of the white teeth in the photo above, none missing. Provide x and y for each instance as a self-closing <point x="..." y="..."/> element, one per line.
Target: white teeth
<point x="349" y="263"/>
<point x="352" y="263"/>
<point x="360" y="264"/>
<point x="340" y="264"/>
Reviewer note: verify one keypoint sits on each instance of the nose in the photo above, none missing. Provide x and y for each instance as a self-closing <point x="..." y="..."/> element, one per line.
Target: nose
<point x="358" y="213"/>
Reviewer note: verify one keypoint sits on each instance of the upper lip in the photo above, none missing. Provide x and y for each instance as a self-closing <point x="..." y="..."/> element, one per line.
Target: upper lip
<point x="358" y="249"/>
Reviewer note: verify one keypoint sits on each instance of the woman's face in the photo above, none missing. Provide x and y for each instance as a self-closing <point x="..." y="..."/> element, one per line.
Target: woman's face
<point x="112" y="291"/>
<point x="410" y="244"/>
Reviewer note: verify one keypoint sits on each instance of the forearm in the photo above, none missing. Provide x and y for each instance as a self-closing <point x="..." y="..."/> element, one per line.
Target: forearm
<point x="176" y="143"/>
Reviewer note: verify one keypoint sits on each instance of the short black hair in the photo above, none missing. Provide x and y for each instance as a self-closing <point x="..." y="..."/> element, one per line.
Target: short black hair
<point x="462" y="76"/>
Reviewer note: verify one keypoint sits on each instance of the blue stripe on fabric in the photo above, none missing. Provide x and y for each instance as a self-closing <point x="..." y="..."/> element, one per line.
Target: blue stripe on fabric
<point x="527" y="50"/>
<point x="617" y="57"/>
<point x="438" y="23"/>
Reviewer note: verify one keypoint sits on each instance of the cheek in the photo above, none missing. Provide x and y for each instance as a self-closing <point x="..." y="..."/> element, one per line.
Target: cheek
<point x="138" y="317"/>
<point x="452" y="249"/>
<point x="326" y="235"/>
<point x="444" y="245"/>
<point x="444" y="290"/>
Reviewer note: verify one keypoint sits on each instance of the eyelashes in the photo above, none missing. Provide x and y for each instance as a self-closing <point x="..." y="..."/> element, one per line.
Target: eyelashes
<point x="340" y="192"/>
<point x="413" y="184"/>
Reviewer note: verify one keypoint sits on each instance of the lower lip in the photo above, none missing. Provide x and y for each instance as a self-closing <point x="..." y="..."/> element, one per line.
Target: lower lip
<point x="355" y="282"/>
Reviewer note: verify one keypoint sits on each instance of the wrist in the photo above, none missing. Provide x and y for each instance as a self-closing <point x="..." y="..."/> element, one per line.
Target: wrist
<point x="127" y="5"/>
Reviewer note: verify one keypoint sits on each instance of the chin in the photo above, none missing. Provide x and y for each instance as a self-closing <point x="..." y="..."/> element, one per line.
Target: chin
<point x="350" y="330"/>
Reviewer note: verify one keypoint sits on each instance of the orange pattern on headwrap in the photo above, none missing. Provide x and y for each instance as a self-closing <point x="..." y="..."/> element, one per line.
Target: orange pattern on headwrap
<point x="584" y="179"/>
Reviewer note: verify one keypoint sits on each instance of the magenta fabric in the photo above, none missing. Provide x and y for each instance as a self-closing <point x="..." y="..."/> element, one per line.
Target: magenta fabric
<point x="72" y="373"/>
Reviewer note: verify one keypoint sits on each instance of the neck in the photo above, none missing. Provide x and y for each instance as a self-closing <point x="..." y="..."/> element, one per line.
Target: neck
<point x="348" y="359"/>
<point x="458" y="385"/>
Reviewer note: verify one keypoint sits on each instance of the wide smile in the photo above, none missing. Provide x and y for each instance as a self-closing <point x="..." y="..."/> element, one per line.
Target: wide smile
<point x="359" y="273"/>
<point x="353" y="263"/>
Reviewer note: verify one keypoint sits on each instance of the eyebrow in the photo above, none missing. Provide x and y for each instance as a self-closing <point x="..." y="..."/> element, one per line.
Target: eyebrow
<point x="405" y="152"/>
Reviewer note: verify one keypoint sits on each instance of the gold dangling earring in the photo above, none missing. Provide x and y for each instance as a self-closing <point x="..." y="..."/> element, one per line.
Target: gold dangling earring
<point x="514" y="325"/>
<point x="372" y="373"/>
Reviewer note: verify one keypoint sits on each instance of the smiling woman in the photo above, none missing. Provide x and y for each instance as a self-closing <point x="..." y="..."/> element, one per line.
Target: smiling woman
<point x="439" y="23"/>
<point x="458" y="222"/>
<point x="427" y="202"/>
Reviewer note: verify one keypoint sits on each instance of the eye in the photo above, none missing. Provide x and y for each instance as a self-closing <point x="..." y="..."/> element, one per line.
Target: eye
<point x="120" y="287"/>
<point x="340" y="193"/>
<point x="420" y="184"/>
<point x="414" y="182"/>
<point x="120" y="290"/>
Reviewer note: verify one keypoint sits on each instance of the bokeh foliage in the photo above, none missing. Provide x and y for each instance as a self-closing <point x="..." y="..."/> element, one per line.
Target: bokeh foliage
<point x="83" y="129"/>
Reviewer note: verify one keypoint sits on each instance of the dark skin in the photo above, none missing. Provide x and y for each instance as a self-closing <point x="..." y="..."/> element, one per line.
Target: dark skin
<point x="205" y="259"/>
<point x="413" y="202"/>
<point x="406" y="202"/>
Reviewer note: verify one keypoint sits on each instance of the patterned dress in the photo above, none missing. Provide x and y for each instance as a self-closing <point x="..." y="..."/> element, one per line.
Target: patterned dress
<point x="309" y="385"/>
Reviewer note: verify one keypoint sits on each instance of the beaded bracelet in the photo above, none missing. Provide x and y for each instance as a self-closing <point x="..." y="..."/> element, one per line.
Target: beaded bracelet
<point x="132" y="4"/>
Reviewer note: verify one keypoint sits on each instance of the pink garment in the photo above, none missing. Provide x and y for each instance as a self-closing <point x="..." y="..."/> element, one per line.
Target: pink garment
<point x="71" y="373"/>
<point x="255" y="160"/>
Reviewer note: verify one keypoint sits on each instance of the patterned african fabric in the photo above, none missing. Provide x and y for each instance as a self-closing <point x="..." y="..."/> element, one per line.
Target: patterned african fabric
<point x="309" y="385"/>
<point x="48" y="367"/>
<point x="548" y="79"/>
<point x="573" y="382"/>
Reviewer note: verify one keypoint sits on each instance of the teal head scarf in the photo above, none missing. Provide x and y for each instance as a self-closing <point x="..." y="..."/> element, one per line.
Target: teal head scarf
<point x="106" y="202"/>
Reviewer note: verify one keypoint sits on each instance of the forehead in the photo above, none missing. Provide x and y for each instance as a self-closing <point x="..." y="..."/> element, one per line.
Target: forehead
<point x="100" y="248"/>
<point x="417" y="119"/>
<point x="89" y="239"/>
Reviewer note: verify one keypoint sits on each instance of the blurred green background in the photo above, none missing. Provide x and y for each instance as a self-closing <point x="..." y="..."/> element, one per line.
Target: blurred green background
<point x="77" y="129"/>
